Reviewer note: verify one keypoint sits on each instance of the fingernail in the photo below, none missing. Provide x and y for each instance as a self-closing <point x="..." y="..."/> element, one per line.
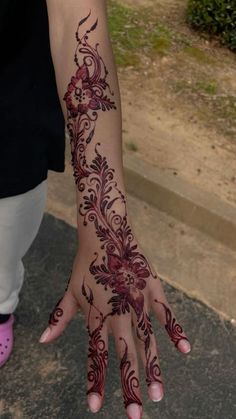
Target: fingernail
<point x="134" y="411"/>
<point x="94" y="403"/>
<point x="184" y="346"/>
<point x="45" y="335"/>
<point x="156" y="392"/>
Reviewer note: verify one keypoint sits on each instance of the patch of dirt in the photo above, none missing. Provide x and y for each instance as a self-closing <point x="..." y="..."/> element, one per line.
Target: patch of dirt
<point x="175" y="124"/>
<point x="52" y="370"/>
<point x="14" y="411"/>
<point x="49" y="368"/>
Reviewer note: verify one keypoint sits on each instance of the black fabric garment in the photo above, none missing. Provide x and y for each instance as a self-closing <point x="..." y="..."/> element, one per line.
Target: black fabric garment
<point x="31" y="119"/>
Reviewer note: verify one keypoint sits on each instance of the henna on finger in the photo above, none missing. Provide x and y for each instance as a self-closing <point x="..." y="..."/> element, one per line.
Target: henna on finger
<point x="173" y="328"/>
<point x="130" y="383"/>
<point x="144" y="333"/>
<point x="58" y="312"/>
<point x="118" y="267"/>
<point x="97" y="351"/>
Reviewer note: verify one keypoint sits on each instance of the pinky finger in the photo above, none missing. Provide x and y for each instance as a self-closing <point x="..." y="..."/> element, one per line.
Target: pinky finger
<point x="175" y="331"/>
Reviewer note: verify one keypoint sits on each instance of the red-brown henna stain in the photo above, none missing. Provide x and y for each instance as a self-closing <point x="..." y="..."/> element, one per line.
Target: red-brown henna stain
<point x="58" y="312"/>
<point x="128" y="379"/>
<point x="123" y="269"/>
<point x="86" y="94"/>
<point x="144" y="332"/>
<point x="173" y="328"/>
<point x="97" y="353"/>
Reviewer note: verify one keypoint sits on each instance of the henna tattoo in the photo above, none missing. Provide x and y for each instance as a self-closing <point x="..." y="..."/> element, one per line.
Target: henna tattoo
<point x="144" y="332"/>
<point x="86" y="94"/>
<point x="121" y="269"/>
<point x="128" y="379"/>
<point x="97" y="353"/>
<point x="124" y="270"/>
<point x="56" y="314"/>
<point x="173" y="328"/>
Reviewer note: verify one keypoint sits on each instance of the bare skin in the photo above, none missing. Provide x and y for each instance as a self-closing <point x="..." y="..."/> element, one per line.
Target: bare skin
<point x="111" y="281"/>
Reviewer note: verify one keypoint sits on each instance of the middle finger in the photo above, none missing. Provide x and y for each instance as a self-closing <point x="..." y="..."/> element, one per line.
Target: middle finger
<point x="126" y="350"/>
<point x="146" y="343"/>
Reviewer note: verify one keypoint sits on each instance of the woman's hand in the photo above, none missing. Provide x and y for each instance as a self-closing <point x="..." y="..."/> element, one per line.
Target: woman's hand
<point x="111" y="282"/>
<point x="116" y="292"/>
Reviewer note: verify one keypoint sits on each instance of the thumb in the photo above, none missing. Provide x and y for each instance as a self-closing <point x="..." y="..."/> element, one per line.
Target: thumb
<point x="64" y="311"/>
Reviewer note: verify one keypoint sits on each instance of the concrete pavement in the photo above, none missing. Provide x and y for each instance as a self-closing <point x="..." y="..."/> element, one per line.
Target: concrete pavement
<point x="49" y="381"/>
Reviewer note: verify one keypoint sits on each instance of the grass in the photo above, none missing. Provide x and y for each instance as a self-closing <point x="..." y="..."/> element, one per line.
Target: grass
<point x="196" y="53"/>
<point x="131" y="146"/>
<point x="209" y="88"/>
<point x="160" y="40"/>
<point x="136" y="32"/>
<point x="226" y="107"/>
<point x="139" y="36"/>
<point x="218" y="110"/>
<point x="220" y="113"/>
<point x="197" y="86"/>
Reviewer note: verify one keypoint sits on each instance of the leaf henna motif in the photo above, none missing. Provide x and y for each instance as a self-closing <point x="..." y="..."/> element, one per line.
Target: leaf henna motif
<point x="128" y="379"/>
<point x="118" y="267"/>
<point x="173" y="328"/>
<point x="97" y="352"/>
<point x="144" y="332"/>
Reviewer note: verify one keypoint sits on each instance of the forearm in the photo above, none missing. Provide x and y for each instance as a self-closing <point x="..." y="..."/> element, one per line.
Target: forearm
<point x="89" y="93"/>
<point x="111" y="280"/>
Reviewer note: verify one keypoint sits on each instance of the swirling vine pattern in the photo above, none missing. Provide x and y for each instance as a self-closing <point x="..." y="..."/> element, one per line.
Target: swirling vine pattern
<point x="98" y="353"/>
<point x="173" y="328"/>
<point x="128" y="379"/>
<point x="123" y="269"/>
<point x="56" y="314"/>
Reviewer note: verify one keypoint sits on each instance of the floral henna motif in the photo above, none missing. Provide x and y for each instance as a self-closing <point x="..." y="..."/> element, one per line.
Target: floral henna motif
<point x="129" y="381"/>
<point x="86" y="94"/>
<point x="173" y="328"/>
<point x="122" y="269"/>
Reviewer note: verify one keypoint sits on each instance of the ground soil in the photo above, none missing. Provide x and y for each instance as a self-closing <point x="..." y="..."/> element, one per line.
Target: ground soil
<point x="176" y="129"/>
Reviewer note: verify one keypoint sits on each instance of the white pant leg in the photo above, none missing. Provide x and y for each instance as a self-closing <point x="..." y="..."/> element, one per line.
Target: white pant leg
<point x="20" y="218"/>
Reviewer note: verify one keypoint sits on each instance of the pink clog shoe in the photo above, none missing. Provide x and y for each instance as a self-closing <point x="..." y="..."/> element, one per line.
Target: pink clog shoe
<point x="6" y="340"/>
